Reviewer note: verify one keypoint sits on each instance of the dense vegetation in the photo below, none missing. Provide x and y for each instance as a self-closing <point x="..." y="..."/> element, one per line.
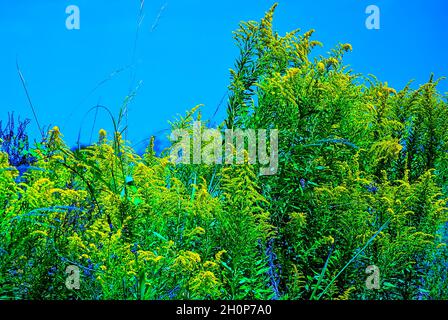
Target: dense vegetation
<point x="362" y="181"/>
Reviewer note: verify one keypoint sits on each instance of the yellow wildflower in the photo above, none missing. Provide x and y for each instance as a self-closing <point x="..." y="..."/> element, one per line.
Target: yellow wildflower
<point x="347" y="47"/>
<point x="187" y="260"/>
<point x="40" y="232"/>
<point x="210" y="264"/>
<point x="102" y="133"/>
<point x="329" y="239"/>
<point x="291" y="73"/>
<point x="102" y="136"/>
<point x="321" y="67"/>
<point x="218" y="256"/>
<point x="56" y="130"/>
<point x="332" y="62"/>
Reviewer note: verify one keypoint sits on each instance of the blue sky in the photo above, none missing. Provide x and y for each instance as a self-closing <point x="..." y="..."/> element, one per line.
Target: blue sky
<point x="185" y="60"/>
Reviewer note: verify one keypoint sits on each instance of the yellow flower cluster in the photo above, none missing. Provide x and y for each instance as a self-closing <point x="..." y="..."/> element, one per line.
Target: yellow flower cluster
<point x="187" y="260"/>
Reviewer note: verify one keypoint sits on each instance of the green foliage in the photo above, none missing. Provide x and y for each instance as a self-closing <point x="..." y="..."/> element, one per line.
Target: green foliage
<point x="359" y="164"/>
<point x="362" y="181"/>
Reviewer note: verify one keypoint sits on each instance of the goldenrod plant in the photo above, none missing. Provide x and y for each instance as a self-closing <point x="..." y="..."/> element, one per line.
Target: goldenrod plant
<point x="361" y="186"/>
